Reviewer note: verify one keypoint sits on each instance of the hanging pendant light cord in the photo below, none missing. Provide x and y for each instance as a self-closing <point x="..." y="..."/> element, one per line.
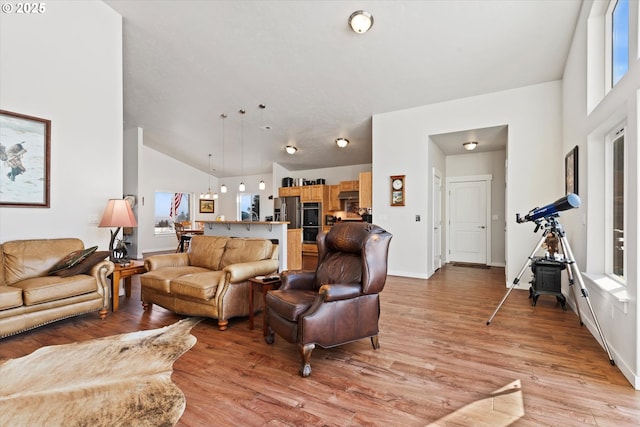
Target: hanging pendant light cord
<point x="242" y="111"/>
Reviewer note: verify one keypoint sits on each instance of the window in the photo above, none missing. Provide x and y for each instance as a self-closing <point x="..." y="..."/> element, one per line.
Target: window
<point x="169" y="209"/>
<point x="248" y="207"/>
<point x="615" y="183"/>
<point x="619" y="40"/>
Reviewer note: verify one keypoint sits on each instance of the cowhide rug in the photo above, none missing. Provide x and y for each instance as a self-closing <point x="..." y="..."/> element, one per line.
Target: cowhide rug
<point x="123" y="380"/>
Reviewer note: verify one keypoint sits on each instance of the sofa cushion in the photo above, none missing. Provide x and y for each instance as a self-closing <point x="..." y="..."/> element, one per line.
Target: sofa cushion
<point x="10" y="297"/>
<point x="244" y="250"/>
<point x="24" y="259"/>
<point x="84" y="266"/>
<point x="72" y="259"/>
<point x="199" y="285"/>
<point x="206" y="251"/>
<point x="161" y="278"/>
<point x="50" y="288"/>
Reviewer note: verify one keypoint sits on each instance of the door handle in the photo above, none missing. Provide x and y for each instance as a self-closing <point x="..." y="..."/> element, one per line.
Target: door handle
<point x="481" y="226"/>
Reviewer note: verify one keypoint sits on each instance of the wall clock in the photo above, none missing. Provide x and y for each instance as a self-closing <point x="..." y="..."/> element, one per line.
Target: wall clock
<point x="397" y="190"/>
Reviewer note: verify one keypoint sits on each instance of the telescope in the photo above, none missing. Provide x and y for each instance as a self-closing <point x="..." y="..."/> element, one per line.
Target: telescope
<point x="567" y="202"/>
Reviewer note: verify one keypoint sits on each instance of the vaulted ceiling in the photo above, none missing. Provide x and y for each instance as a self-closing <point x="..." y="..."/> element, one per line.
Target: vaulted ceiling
<point x="187" y="62"/>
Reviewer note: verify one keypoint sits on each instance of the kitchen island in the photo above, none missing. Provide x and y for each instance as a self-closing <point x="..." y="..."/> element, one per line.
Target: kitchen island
<point x="261" y="229"/>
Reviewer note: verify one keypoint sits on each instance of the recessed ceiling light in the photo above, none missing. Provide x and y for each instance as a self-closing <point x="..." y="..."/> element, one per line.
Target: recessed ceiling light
<point x="342" y="142"/>
<point x="361" y="21"/>
<point x="470" y="145"/>
<point x="291" y="149"/>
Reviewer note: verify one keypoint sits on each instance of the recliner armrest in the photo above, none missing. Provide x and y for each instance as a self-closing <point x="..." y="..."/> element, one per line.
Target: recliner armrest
<point x="297" y="279"/>
<point x="337" y="292"/>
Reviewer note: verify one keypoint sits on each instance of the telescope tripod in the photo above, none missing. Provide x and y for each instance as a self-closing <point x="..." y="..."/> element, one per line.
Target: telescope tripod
<point x="553" y="226"/>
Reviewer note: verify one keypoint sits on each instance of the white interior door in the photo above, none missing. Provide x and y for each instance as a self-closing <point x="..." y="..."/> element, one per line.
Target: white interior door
<point x="437" y="221"/>
<point x="468" y="222"/>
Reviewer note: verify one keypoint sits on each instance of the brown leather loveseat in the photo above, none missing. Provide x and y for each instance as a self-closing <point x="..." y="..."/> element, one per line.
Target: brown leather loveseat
<point x="32" y="295"/>
<point x="211" y="279"/>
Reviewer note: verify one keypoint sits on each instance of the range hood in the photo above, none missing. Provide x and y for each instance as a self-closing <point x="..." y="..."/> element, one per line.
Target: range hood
<point x="348" y="195"/>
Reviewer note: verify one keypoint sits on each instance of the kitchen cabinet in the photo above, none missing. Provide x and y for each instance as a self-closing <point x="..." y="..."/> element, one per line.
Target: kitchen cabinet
<point x="333" y="203"/>
<point x="312" y="193"/>
<point x="366" y="190"/>
<point x="309" y="248"/>
<point x="294" y="249"/>
<point x="289" y="191"/>
<point x="349" y="185"/>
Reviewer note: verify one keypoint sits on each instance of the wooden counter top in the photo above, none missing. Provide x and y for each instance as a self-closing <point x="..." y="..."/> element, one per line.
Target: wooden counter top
<point x="246" y="222"/>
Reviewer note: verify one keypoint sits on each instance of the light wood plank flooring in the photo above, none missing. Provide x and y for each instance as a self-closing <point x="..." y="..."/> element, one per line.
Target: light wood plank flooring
<point x="437" y="356"/>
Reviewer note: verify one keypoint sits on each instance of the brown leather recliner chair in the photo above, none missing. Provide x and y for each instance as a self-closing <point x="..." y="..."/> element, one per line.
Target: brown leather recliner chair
<point x="338" y="303"/>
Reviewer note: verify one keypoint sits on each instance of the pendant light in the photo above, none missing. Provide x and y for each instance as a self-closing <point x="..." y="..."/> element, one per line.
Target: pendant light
<point x="223" y="187"/>
<point x="208" y="194"/>
<point x="261" y="184"/>
<point x="241" y="187"/>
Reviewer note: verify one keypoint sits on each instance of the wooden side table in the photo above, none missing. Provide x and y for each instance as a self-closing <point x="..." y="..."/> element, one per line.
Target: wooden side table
<point x="264" y="287"/>
<point x="124" y="272"/>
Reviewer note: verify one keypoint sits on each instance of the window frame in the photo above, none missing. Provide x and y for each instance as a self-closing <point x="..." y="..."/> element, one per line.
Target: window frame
<point x="609" y="48"/>
<point x="611" y="137"/>
<point x="170" y="230"/>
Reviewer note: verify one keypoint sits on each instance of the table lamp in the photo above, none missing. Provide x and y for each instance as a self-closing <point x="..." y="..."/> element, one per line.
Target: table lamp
<point x="118" y="214"/>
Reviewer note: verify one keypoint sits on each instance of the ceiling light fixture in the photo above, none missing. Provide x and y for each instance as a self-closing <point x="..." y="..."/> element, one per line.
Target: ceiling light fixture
<point x="361" y="21"/>
<point x="470" y="145"/>
<point x="241" y="187"/>
<point x="342" y="142"/>
<point x="291" y="149"/>
<point x="208" y="194"/>
<point x="223" y="187"/>
<point x="261" y="184"/>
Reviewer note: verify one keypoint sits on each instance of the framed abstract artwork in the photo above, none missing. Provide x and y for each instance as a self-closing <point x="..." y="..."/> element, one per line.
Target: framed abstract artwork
<point x="25" y="150"/>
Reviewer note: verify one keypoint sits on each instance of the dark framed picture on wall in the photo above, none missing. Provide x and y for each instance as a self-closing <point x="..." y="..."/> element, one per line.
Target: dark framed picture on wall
<point x="571" y="171"/>
<point x="207" y="206"/>
<point x="25" y="149"/>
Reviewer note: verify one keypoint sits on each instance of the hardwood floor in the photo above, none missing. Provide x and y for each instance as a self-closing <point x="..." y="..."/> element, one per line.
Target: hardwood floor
<point x="437" y="355"/>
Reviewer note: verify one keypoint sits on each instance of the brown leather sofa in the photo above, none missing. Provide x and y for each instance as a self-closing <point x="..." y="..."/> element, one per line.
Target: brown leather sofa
<point x="339" y="302"/>
<point x="211" y="278"/>
<point x="30" y="296"/>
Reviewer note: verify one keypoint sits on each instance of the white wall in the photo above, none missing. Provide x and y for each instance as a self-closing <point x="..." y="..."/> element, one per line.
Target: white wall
<point x="69" y="70"/>
<point x="490" y="163"/>
<point x="587" y="117"/>
<point x="132" y="140"/>
<point x="159" y="172"/>
<point x="534" y="172"/>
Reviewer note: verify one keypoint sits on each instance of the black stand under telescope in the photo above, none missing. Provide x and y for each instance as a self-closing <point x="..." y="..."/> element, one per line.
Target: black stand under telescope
<point x="552" y="225"/>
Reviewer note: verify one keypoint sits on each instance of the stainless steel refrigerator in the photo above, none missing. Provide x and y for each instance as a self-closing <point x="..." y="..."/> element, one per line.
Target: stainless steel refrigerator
<point x="288" y="209"/>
